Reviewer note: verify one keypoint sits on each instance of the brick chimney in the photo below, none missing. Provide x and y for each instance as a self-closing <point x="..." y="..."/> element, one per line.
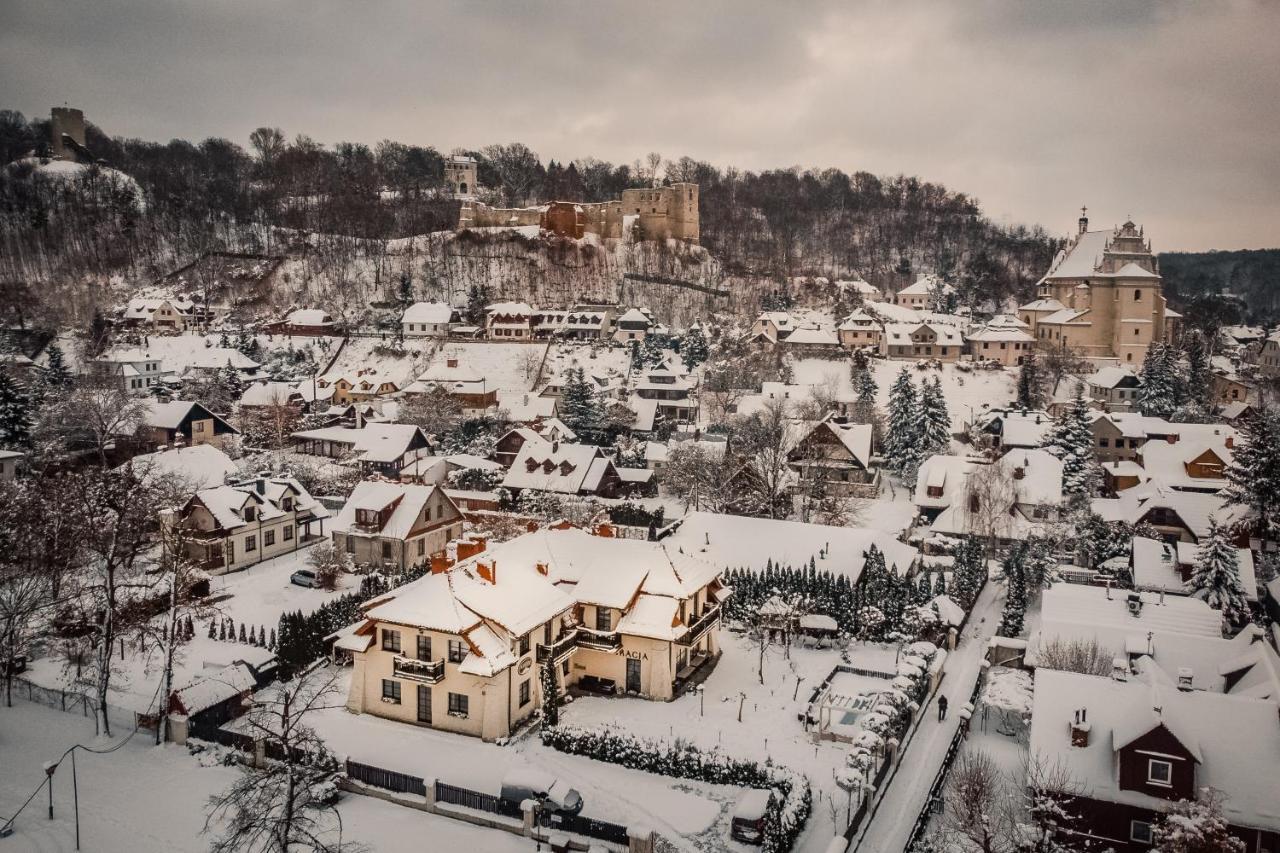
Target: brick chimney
<point x="488" y="571"/>
<point x="450" y="362"/>
<point x="542" y="568"/>
<point x="1231" y="442"/>
<point x="1080" y="729"/>
<point x="470" y="547"/>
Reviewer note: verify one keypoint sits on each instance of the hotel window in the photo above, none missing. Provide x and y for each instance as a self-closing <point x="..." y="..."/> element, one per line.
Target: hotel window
<point x="391" y="690"/>
<point x="1159" y="772"/>
<point x="390" y="640"/>
<point x="457" y="651"/>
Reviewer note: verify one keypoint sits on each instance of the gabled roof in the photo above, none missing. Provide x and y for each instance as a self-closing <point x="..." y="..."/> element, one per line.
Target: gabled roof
<point x="375" y="442"/>
<point x="567" y="468"/>
<point x="1115" y="377"/>
<point x="1050" y="305"/>
<point x="438" y="313"/>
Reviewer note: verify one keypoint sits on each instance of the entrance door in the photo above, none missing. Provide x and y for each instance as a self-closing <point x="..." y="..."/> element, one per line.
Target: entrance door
<point x="424" y="703"/>
<point x="633" y="675"/>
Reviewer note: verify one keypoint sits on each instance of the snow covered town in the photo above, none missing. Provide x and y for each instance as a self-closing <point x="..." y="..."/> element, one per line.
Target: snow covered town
<point x="371" y="498"/>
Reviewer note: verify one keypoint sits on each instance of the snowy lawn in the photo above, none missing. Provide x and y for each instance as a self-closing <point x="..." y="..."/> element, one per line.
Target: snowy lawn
<point x="771" y="724"/>
<point x="162" y="807"/>
<point x="966" y="392"/>
<point x="674" y="808"/>
<point x="260" y="593"/>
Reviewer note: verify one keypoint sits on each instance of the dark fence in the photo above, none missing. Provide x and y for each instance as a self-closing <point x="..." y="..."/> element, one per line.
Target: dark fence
<point x="861" y="812"/>
<point x="581" y="825"/>
<point x="400" y="782"/>
<point x="470" y="799"/>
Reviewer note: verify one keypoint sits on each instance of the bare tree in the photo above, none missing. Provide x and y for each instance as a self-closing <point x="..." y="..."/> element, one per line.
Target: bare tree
<point x="436" y="411"/>
<point x="764" y="440"/>
<point x="692" y="475"/>
<point x="1059" y="362"/>
<point x="1084" y="656"/>
<point x="976" y="816"/>
<point x="989" y="493"/>
<point x="289" y="801"/>
<point x="22" y="595"/>
<point x="92" y="415"/>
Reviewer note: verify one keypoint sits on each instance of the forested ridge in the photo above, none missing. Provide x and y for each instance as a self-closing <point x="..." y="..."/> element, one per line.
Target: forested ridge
<point x="774" y="225"/>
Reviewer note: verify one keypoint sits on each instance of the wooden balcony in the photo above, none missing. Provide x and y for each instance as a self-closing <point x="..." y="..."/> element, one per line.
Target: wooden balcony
<point x="710" y="616"/>
<point x="428" y="671"/>
<point x="560" y="649"/>
<point x="602" y="641"/>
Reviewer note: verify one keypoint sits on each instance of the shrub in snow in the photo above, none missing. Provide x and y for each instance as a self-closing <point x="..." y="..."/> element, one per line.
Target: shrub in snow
<point x="788" y="811"/>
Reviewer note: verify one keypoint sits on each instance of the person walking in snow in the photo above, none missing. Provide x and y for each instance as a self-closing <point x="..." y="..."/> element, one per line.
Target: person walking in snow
<point x="942" y="708"/>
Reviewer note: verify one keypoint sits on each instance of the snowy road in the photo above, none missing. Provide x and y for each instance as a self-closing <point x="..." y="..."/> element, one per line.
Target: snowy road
<point x="889" y="828"/>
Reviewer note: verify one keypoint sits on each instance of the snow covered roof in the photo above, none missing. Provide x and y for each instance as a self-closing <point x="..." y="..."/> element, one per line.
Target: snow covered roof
<point x="634" y="315"/>
<point x="1188" y="554"/>
<point x="511" y="309"/>
<point x="924" y="285"/>
<point x="375" y="442"/>
<point x="1237" y="760"/>
<point x="1064" y="317"/>
<point x="523" y="406"/>
<point x="209" y="690"/>
<point x="1020" y="428"/>
<point x="1080" y="259"/>
<point x="216" y="358"/>
<point x="653" y="616"/>
<point x="739" y="541"/>
<point x="200" y="466"/>
<point x="1171" y="464"/>
<point x="438" y="313"/>
<point x="899" y="334"/>
<point x="550" y="467"/>
<point x="405" y="499"/>
<point x="812" y="337"/>
<point x="1132" y="270"/>
<point x="309" y="317"/>
<point x="997" y="334"/>
<point x="944" y="473"/>
<point x="1050" y="305"/>
<point x="1114" y="377"/>
<point x="1194" y="508"/>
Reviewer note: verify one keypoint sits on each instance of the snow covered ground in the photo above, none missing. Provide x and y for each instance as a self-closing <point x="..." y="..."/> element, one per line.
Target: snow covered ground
<point x="161" y="807"/>
<point x="967" y="393"/>
<point x="900" y="805"/>
<point x="259" y="594"/>
<point x="770" y="727"/>
<point x="678" y="809"/>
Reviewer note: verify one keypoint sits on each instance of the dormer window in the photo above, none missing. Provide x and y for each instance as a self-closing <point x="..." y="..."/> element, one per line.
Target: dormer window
<point x="367" y="517"/>
<point x="250" y="513"/>
<point x="1160" y="772"/>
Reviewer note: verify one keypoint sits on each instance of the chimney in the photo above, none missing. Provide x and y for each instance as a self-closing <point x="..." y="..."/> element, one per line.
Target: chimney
<point x="260" y="486"/>
<point x="542" y="568"/>
<point x="1231" y="442"/>
<point x="450" y="362"/>
<point x="1019" y="472"/>
<point x="555" y="446"/>
<point x="1171" y="438"/>
<point x="1186" y="675"/>
<point x="488" y="571"/>
<point x="1080" y="729"/>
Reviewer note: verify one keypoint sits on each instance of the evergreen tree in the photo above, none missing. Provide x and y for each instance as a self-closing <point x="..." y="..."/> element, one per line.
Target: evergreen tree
<point x="477" y="303"/>
<point x="1071" y="440"/>
<point x="15" y="414"/>
<point x="940" y="585"/>
<point x="1015" y="604"/>
<point x="243" y="638"/>
<point x="229" y="380"/>
<point x="902" y="438"/>
<point x="935" y="422"/>
<point x="969" y="572"/>
<point x="1030" y="383"/>
<point x="579" y="406"/>
<point x="1253" y="478"/>
<point x="57" y="374"/>
<point x="1216" y="577"/>
<point x="1196" y="826"/>
<point x="1199" y="377"/>
<point x="213" y="634"/>
<point x="550" y="695"/>
<point x="694" y="349"/>
<point x="1161" y="384"/>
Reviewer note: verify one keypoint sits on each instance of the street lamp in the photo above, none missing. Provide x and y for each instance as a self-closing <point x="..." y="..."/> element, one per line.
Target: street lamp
<point x="702" y="700"/>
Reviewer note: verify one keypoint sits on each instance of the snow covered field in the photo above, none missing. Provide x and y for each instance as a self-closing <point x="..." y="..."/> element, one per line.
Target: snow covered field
<point x="160" y="807"/>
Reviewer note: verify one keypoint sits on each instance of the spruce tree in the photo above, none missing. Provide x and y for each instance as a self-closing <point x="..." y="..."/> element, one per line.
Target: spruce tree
<point x="1030" y="383"/>
<point x="56" y="371"/>
<point x="579" y="407"/>
<point x="1071" y="440"/>
<point x="934" y="418"/>
<point x="902" y="436"/>
<point x="1015" y="604"/>
<point x="1161" y="392"/>
<point x="15" y="414"/>
<point x="550" y="695"/>
<point x="1253" y="477"/>
<point x="1199" y="377"/>
<point x="693" y="349"/>
<point x="1216" y="577"/>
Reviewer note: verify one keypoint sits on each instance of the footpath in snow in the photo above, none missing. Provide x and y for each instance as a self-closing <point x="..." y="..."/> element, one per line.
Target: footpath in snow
<point x="890" y="827"/>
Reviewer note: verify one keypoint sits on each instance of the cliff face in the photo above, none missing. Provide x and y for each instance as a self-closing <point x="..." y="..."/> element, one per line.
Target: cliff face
<point x="677" y="281"/>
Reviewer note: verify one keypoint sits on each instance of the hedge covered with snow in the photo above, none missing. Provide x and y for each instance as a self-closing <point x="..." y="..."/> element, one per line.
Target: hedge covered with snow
<point x="789" y="810"/>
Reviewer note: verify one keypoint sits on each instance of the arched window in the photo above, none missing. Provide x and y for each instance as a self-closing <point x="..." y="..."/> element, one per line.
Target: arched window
<point x="462" y="187"/>
<point x="1137" y="295"/>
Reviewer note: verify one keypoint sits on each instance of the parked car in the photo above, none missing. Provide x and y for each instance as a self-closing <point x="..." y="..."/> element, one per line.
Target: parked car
<point x="304" y="577"/>
<point x="528" y="783"/>
<point x="749" y="813"/>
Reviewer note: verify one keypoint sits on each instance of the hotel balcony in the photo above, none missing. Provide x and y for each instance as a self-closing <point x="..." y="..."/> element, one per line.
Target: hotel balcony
<point x="429" y="671"/>
<point x="700" y="626"/>
<point x="603" y="641"/>
<point x="560" y="649"/>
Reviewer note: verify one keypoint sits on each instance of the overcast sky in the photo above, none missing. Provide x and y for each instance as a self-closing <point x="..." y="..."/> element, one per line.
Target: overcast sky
<point x="1168" y="111"/>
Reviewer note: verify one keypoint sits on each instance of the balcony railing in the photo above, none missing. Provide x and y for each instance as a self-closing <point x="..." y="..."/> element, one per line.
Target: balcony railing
<point x="559" y="649"/>
<point x="700" y="626"/>
<point x="430" y="671"/>
<point x="605" y="641"/>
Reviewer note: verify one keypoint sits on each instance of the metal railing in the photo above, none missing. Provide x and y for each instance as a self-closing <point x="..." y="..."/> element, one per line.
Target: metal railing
<point x="602" y="640"/>
<point x="700" y="626"/>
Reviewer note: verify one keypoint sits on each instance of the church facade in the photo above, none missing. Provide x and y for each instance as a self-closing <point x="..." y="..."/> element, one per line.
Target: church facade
<point x="1102" y="297"/>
